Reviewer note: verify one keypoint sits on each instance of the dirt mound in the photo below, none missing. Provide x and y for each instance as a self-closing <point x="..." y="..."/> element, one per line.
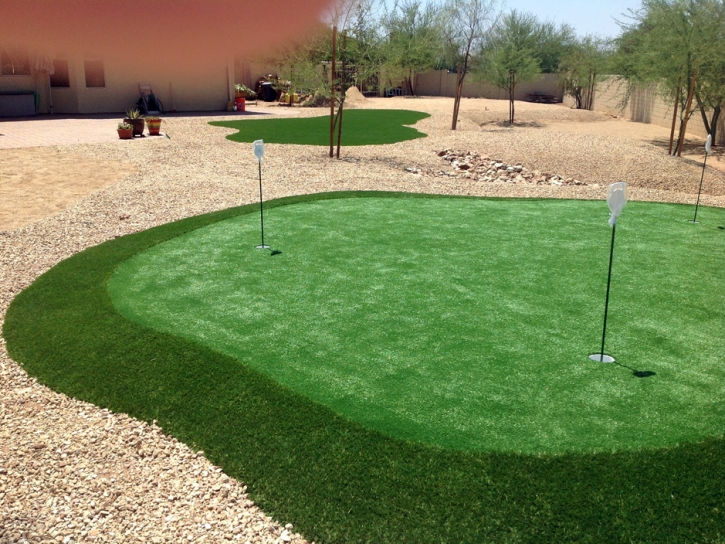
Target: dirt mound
<point x="353" y="97"/>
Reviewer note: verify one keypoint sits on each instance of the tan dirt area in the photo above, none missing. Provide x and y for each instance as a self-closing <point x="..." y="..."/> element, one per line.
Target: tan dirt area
<point x="72" y="472"/>
<point x="38" y="182"/>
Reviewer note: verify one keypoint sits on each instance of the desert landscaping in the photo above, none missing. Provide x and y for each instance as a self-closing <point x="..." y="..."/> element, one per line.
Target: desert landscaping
<point x="73" y="472"/>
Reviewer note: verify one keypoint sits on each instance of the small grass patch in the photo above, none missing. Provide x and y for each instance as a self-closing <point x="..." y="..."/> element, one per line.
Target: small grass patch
<point x="360" y="127"/>
<point x="339" y="480"/>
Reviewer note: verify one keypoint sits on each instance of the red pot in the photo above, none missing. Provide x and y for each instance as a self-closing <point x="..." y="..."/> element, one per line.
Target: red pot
<point x="125" y="133"/>
<point x="241" y="103"/>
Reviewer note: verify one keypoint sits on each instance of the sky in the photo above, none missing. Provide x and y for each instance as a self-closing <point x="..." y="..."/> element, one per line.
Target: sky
<point x="586" y="16"/>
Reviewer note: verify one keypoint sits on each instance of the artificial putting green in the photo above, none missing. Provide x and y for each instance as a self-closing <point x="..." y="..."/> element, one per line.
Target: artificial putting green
<point x="360" y="127"/>
<point x="338" y="480"/>
<point x="461" y="323"/>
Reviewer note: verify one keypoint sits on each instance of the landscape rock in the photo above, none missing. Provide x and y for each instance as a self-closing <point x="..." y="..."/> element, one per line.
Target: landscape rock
<point x="495" y="170"/>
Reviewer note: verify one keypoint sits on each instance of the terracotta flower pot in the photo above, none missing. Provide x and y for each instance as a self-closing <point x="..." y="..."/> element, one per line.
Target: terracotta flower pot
<point x="138" y="125"/>
<point x="154" y="126"/>
<point x="125" y="133"/>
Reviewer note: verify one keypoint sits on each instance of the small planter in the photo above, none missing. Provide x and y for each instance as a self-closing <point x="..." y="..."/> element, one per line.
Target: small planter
<point x="154" y="125"/>
<point x="125" y="133"/>
<point x="138" y="125"/>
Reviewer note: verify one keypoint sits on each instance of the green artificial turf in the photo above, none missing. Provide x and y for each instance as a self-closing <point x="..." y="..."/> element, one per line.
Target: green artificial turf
<point x="464" y="323"/>
<point x="360" y="127"/>
<point x="337" y="480"/>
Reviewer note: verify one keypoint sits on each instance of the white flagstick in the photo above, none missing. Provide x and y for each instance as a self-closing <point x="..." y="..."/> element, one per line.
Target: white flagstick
<point x="616" y="199"/>
<point x="708" y="152"/>
<point x="259" y="152"/>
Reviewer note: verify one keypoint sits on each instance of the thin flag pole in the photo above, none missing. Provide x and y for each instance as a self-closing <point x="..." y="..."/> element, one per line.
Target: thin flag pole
<point x="616" y="199"/>
<point x="697" y="205"/>
<point x="606" y="303"/>
<point x="261" y="207"/>
<point x="702" y="177"/>
<point x="259" y="152"/>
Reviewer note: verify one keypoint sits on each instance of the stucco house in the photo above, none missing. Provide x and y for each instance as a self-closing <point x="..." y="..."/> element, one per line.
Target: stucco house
<point x="86" y="56"/>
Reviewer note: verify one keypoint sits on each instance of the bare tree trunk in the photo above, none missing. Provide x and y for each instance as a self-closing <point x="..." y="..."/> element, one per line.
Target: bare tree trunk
<point x="674" y="115"/>
<point x="339" y="127"/>
<point x="512" y="85"/>
<point x="701" y="107"/>
<point x="715" y="118"/>
<point x="457" y="99"/>
<point x="332" y="92"/>
<point x="291" y="85"/>
<point x="342" y="89"/>
<point x="683" y="128"/>
<point x="592" y="85"/>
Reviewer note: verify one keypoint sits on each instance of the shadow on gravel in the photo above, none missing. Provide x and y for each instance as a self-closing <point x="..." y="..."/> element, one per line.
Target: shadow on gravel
<point x="506" y="124"/>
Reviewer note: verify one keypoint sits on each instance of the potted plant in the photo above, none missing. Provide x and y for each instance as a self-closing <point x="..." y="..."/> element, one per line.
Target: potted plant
<point x="134" y="118"/>
<point x="242" y="92"/>
<point x="125" y="131"/>
<point x="154" y="124"/>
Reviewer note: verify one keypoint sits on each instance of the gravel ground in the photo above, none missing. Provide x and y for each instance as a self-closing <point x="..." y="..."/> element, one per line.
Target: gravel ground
<point x="71" y="472"/>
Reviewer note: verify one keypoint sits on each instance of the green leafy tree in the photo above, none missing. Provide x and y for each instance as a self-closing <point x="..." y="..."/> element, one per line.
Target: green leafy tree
<point x="579" y="68"/>
<point x="668" y="43"/>
<point x="414" y="40"/>
<point x="359" y="53"/>
<point x="710" y="89"/>
<point x="552" y="43"/>
<point x="509" y="54"/>
<point x="466" y="25"/>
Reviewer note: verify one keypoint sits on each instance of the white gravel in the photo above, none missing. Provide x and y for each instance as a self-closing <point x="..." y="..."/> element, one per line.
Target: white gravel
<point x="71" y="472"/>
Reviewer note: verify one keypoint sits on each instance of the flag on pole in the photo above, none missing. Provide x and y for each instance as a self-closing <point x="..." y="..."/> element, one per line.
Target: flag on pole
<point x="259" y="149"/>
<point x="616" y="199"/>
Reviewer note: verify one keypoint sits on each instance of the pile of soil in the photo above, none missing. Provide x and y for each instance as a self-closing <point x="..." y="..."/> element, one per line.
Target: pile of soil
<point x="354" y="98"/>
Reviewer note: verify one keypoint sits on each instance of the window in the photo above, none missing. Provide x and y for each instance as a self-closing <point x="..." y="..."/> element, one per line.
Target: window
<point x="15" y="62"/>
<point x="59" y="77"/>
<point x="94" y="73"/>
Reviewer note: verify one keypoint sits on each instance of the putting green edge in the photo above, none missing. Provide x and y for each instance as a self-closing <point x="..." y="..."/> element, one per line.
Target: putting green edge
<point x="333" y="479"/>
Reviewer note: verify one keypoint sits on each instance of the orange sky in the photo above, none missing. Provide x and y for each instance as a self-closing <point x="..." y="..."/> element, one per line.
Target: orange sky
<point x="169" y="29"/>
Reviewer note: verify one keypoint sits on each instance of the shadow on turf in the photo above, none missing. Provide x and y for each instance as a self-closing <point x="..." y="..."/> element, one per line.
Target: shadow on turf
<point x="637" y="373"/>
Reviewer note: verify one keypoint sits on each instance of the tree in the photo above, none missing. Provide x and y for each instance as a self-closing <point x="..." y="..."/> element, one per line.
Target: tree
<point x="302" y="61"/>
<point x="668" y="43"/>
<point x="363" y="49"/>
<point x="509" y="54"/>
<point x="552" y="43"/>
<point x="578" y="70"/>
<point x="414" y="39"/>
<point x="466" y="25"/>
<point x="710" y="90"/>
<point x="317" y="65"/>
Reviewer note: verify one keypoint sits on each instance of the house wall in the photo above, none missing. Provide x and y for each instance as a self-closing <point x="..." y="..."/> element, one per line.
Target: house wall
<point x="441" y="83"/>
<point x="203" y="86"/>
<point x="644" y="106"/>
<point x="24" y="83"/>
<point x="65" y="99"/>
